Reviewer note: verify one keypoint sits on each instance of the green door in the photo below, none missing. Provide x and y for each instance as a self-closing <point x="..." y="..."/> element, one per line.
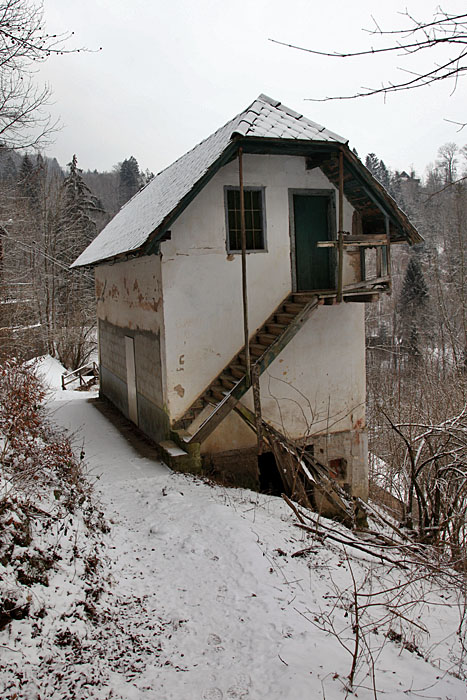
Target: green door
<point x="313" y="266"/>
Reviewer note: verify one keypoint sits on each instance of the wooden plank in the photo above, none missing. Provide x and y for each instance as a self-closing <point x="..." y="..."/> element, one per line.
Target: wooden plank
<point x="257" y="404"/>
<point x="362" y="297"/>
<point x="366" y="284"/>
<point x="373" y="241"/>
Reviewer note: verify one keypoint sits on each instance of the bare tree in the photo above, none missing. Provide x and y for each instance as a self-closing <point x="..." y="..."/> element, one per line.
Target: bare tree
<point x="433" y="36"/>
<point x="24" y="120"/>
<point x="447" y="161"/>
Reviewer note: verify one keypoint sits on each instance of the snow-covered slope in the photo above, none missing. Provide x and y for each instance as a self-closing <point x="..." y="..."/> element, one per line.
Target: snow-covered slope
<point x="207" y="602"/>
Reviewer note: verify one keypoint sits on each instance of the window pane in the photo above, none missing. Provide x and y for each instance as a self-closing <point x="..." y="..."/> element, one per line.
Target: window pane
<point x="253" y="201"/>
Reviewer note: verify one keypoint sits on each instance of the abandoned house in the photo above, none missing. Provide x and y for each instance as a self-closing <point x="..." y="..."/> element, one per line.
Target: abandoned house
<point x="270" y="230"/>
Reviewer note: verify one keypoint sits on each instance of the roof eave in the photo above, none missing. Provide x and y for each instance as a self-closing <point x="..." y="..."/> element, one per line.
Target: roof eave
<point x="271" y="146"/>
<point x="387" y="203"/>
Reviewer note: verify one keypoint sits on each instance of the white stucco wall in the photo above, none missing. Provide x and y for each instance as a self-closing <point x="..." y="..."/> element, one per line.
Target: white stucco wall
<point x="317" y="384"/>
<point x="129" y="294"/>
<point x="203" y="301"/>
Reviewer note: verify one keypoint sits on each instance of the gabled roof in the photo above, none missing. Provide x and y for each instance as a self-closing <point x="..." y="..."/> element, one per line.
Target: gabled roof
<point x="149" y="208"/>
<point x="156" y="206"/>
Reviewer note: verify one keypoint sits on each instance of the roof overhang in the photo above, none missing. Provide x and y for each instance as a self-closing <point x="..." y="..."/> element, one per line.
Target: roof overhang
<point x="361" y="189"/>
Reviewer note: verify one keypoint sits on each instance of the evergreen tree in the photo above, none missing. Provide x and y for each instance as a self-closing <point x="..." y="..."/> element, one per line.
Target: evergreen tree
<point x="73" y="290"/>
<point x="26" y="183"/>
<point x="383" y="175"/>
<point x="414" y="291"/>
<point x="130" y="179"/>
<point x="30" y="180"/>
<point x="395" y="189"/>
<point x="412" y="306"/>
<point x="378" y="169"/>
<point x="10" y="171"/>
<point x="372" y="163"/>
<point x="79" y="208"/>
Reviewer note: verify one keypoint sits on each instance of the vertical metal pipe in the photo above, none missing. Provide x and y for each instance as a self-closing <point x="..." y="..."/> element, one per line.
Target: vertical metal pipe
<point x="246" y="332"/>
<point x="340" y="233"/>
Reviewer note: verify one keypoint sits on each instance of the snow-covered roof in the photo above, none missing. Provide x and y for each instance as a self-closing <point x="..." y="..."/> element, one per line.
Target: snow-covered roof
<point x="153" y="205"/>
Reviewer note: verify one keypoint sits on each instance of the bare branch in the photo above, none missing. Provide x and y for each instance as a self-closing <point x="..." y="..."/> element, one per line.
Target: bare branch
<point x="444" y="30"/>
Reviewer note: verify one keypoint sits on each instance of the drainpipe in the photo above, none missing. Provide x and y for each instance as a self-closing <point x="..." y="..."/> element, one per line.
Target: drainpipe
<point x="246" y="332"/>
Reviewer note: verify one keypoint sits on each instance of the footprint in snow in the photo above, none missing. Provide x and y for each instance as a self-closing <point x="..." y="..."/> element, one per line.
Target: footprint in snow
<point x="239" y="690"/>
<point x="214" y="640"/>
<point x="213" y="694"/>
<point x="221" y="592"/>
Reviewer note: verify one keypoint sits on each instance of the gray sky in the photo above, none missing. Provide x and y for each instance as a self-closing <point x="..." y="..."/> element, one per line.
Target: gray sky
<point x="172" y="72"/>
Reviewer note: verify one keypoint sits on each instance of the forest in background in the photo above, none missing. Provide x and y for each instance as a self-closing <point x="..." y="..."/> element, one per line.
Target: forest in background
<point x="417" y="358"/>
<point x="47" y="217"/>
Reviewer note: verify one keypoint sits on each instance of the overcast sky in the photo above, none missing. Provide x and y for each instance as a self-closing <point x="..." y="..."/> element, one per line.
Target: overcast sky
<point x="171" y="72"/>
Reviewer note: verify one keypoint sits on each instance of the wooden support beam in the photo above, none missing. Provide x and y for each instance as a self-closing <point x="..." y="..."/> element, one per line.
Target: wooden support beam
<point x="340" y="234"/>
<point x="373" y="241"/>
<point x="388" y="251"/>
<point x="257" y="404"/>
<point x="246" y="331"/>
<point x="379" y="261"/>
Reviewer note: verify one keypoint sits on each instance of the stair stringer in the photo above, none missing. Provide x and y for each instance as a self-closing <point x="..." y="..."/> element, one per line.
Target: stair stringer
<point x="232" y="397"/>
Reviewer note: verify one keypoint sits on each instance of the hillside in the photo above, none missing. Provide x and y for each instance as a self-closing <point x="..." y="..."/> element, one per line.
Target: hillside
<point x="200" y="594"/>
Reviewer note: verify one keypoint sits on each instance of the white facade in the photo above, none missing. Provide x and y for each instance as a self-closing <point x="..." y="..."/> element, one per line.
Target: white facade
<point x="203" y="307"/>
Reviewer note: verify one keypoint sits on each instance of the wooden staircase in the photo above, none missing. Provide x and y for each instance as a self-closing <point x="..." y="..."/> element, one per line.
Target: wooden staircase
<point x="231" y="384"/>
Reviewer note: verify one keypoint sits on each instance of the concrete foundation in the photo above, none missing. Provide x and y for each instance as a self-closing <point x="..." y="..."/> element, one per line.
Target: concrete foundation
<point x="233" y="468"/>
<point x="152" y="419"/>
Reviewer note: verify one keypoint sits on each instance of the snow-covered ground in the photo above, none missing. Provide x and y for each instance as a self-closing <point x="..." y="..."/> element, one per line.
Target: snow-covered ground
<point x="205" y="600"/>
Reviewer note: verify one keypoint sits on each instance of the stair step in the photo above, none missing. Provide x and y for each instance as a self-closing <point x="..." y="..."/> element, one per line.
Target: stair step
<point x="302" y="298"/>
<point x="256" y="349"/>
<point x="228" y="381"/>
<point x="266" y="339"/>
<point x="237" y="371"/>
<point x="184" y="423"/>
<point x="284" y="318"/>
<point x="291" y="308"/>
<point x="173" y="455"/>
<point x="172" y="448"/>
<point x="218" y="393"/>
<point x="275" y="328"/>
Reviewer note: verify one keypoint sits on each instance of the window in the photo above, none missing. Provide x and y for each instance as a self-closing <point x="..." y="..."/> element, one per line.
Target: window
<point x="254" y="219"/>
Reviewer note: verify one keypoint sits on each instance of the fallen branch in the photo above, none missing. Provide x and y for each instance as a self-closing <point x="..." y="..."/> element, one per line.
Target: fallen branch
<point x="348" y="543"/>
<point x="293" y="507"/>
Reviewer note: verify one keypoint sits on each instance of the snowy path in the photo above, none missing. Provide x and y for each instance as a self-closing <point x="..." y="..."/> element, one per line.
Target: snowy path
<point x="212" y="573"/>
<point x="182" y="548"/>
